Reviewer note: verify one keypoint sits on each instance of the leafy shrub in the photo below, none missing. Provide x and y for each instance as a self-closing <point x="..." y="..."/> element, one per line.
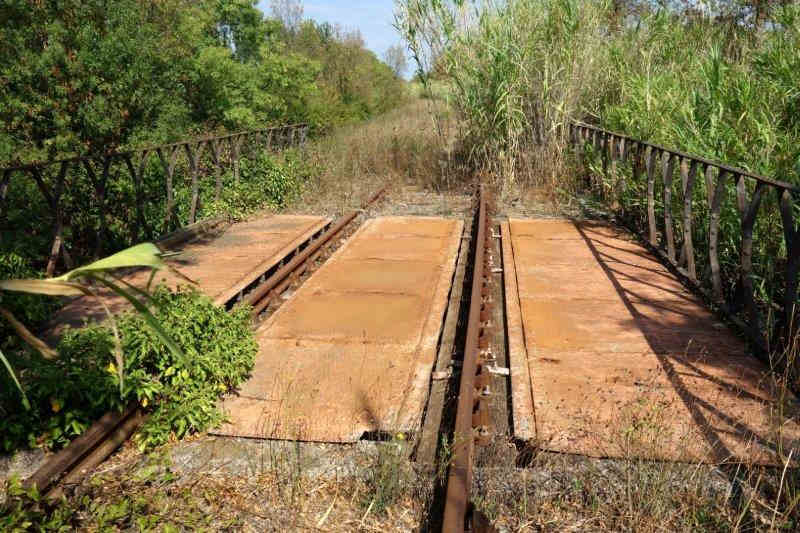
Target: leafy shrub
<point x="220" y="346"/>
<point x="22" y="511"/>
<point x="71" y="392"/>
<point x="66" y="394"/>
<point x="264" y="183"/>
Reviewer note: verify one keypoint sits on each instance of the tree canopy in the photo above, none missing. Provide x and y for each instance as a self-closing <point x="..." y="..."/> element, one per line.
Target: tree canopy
<point x="82" y="76"/>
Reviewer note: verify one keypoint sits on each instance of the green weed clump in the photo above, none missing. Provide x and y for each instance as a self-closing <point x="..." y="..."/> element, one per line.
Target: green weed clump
<point x="69" y="393"/>
<point x="266" y="181"/>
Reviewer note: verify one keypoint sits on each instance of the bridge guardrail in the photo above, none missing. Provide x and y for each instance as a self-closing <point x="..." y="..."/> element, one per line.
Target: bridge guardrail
<point x="52" y="179"/>
<point x="655" y="161"/>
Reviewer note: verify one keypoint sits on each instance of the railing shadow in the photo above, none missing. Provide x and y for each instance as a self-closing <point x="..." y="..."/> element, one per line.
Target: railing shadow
<point x="672" y="343"/>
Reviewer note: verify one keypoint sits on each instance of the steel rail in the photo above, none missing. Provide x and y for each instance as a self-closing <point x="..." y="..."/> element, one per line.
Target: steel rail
<point x="71" y="464"/>
<point x="68" y="457"/>
<point x="262" y="295"/>
<point x="472" y="412"/>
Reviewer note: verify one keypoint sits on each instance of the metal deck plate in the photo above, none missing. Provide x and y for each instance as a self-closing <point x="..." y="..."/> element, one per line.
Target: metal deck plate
<point x="221" y="265"/>
<point x="352" y="350"/>
<point x="612" y="357"/>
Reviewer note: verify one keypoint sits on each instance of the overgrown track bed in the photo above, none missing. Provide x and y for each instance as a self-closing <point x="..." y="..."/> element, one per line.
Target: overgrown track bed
<point x="72" y="464"/>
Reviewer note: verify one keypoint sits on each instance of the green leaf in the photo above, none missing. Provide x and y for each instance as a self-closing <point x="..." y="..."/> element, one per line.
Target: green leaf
<point x="49" y="287"/>
<point x="16" y="381"/>
<point x="146" y="314"/>
<point x="141" y="255"/>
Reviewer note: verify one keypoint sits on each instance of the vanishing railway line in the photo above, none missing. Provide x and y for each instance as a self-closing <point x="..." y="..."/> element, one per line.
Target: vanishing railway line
<point x="472" y="419"/>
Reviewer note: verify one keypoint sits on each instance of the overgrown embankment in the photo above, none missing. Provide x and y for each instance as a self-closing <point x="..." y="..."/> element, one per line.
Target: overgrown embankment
<point x="96" y="80"/>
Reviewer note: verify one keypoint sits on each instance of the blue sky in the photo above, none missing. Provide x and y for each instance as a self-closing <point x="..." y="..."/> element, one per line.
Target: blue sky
<point x="373" y="17"/>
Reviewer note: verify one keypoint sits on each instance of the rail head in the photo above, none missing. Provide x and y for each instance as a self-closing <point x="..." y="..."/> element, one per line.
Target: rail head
<point x="472" y="410"/>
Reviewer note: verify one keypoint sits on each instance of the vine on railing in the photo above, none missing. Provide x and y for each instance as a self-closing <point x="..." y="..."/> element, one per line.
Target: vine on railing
<point x="134" y="184"/>
<point x="769" y="319"/>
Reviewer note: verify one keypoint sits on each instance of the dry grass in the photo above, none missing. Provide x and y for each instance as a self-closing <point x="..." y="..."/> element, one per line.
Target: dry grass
<point x="633" y="492"/>
<point x="404" y="147"/>
<point x="284" y="491"/>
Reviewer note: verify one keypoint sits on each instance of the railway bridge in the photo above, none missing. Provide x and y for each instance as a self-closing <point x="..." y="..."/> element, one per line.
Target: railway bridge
<point x="550" y="333"/>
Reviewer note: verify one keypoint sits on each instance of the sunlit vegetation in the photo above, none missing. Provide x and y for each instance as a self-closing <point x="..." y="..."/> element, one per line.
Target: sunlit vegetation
<point x="87" y="77"/>
<point x="718" y="80"/>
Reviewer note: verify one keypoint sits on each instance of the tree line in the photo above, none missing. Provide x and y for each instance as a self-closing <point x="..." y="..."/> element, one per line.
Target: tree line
<point x="89" y="76"/>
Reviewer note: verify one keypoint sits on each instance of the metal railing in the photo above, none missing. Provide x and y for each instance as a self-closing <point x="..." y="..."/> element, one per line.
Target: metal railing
<point x="672" y="237"/>
<point x="96" y="175"/>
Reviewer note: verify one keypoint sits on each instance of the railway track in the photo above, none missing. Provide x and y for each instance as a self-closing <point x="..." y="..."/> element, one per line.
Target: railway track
<point x="74" y="462"/>
<point x="472" y="419"/>
<point x="473" y="426"/>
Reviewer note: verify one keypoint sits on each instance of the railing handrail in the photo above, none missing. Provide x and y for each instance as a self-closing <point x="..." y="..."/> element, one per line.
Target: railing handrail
<point x="727" y="168"/>
<point x="150" y="148"/>
<point x="676" y="232"/>
<point x="223" y="150"/>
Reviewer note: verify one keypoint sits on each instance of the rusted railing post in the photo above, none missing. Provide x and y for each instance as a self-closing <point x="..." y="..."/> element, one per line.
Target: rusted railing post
<point x="169" y="168"/>
<point x="688" y="175"/>
<point x="193" y="158"/>
<point x="4" y="181"/>
<point x="53" y="200"/>
<point x="650" y="158"/>
<point x="791" y="235"/>
<point x="715" y="193"/>
<point x="748" y="210"/>
<point x="215" y="159"/>
<point x="669" y="232"/>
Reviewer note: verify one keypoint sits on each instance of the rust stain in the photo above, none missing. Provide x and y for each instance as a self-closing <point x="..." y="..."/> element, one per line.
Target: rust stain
<point x="352" y="350"/>
<point x="221" y="266"/>
<point x="625" y="362"/>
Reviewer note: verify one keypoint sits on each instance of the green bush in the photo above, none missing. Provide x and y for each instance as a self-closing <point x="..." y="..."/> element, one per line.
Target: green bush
<point x="265" y="182"/>
<point x="71" y="392"/>
<point x="220" y="346"/>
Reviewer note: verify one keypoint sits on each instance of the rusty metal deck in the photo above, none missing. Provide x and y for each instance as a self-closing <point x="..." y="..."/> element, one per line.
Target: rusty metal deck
<point x="352" y="350"/>
<point x="612" y="357"/>
<point x="221" y="265"/>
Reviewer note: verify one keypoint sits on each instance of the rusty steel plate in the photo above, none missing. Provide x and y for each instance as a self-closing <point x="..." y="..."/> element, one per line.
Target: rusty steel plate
<point x="222" y="266"/>
<point x="351" y="352"/>
<point x="612" y="357"/>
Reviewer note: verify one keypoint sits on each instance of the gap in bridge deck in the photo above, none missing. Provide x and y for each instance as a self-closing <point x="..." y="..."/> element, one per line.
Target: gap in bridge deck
<point x="353" y="348"/>
<point x="222" y="265"/>
<point x="612" y="357"/>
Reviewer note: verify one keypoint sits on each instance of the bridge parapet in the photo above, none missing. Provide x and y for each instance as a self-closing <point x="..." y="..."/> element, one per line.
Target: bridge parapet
<point x="769" y="322"/>
<point x="88" y="188"/>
